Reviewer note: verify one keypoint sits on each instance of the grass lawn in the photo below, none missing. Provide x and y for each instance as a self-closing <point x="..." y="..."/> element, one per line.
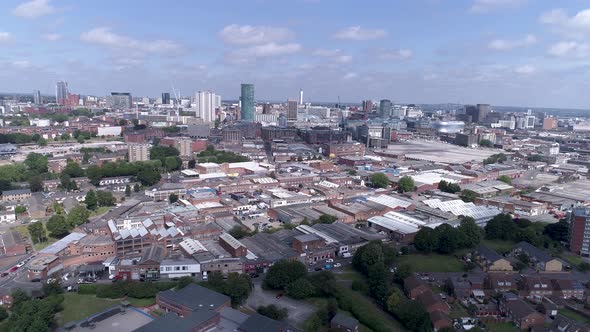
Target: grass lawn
<point x="574" y="315"/>
<point x="101" y="210"/>
<point x="574" y="260"/>
<point x="502" y="327"/>
<point x="141" y="302"/>
<point x="39" y="246"/>
<point x="499" y="245"/>
<point x="457" y="311"/>
<point x="24" y="231"/>
<point x="78" y="306"/>
<point x="431" y="263"/>
<point x="348" y="273"/>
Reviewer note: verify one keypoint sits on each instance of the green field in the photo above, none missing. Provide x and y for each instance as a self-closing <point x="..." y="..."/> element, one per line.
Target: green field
<point x="499" y="245"/>
<point x="574" y="315"/>
<point x="141" y="302"/>
<point x="502" y="327"/>
<point x="573" y="259"/>
<point x="100" y="210"/>
<point x="78" y="306"/>
<point x="431" y="263"/>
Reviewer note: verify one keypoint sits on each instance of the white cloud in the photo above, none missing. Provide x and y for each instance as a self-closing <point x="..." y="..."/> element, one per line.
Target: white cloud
<point x="51" y="36"/>
<point x="21" y="64"/>
<point x="358" y="33"/>
<point x="577" y="26"/>
<point x="394" y="54"/>
<point x="105" y="37"/>
<point x="525" y="70"/>
<point x="5" y="36"/>
<point x="486" y="6"/>
<point x="247" y="34"/>
<point x="571" y="49"/>
<point x="506" y="44"/>
<point x="246" y="55"/>
<point x="335" y="55"/>
<point x="33" y="9"/>
<point x="349" y="76"/>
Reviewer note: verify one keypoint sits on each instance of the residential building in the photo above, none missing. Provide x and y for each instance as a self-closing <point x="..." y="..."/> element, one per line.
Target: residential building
<point x="344" y="323"/>
<point x="207" y="103"/>
<point x="120" y="100"/>
<point x="165" y="98"/>
<point x="247" y="103"/>
<point x="579" y="231"/>
<point x="292" y="110"/>
<point x="522" y="314"/>
<point x="490" y="260"/>
<point x="549" y="123"/>
<point x="61" y="92"/>
<point x="7" y="216"/>
<point x="16" y="195"/>
<point x="541" y="260"/>
<point x="138" y="152"/>
<point x="37" y="97"/>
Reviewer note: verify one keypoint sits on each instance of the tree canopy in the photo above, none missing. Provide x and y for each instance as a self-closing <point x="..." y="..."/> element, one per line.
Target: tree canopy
<point x="406" y="184"/>
<point x="284" y="272"/>
<point x="379" y="180"/>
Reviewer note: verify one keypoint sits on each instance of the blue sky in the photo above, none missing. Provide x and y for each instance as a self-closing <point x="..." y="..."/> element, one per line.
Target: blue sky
<point x="504" y="52"/>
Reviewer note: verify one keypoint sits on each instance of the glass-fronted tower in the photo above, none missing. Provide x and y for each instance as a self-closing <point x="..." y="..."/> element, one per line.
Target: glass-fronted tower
<point x="247" y="99"/>
<point x="385" y="108"/>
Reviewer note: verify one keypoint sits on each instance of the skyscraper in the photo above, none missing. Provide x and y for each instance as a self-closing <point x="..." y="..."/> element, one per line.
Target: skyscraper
<point x="300" y="96"/>
<point x="367" y="106"/>
<point x="138" y="152"/>
<point x="291" y="110"/>
<point x="385" y="108"/>
<point x="247" y="99"/>
<point x="165" y="98"/>
<point x="266" y="108"/>
<point x="207" y="103"/>
<point x="61" y="92"/>
<point x="579" y="231"/>
<point x="37" y="97"/>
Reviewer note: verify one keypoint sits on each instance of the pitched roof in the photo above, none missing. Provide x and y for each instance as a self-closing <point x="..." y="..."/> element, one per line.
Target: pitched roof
<point x="489" y="254"/>
<point x="11" y="238"/>
<point x="520" y="309"/>
<point x="153" y="253"/>
<point x="412" y="282"/>
<point x="173" y="321"/>
<point x="259" y="323"/>
<point x="536" y="253"/>
<point x="195" y="297"/>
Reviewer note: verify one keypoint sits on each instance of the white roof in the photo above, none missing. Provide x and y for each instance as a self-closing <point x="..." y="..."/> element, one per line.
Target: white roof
<point x="390" y="201"/>
<point x="394" y="225"/>
<point x="310" y="230"/>
<point x="435" y="176"/>
<point x="459" y="208"/>
<point x="192" y="246"/>
<point x="60" y="245"/>
<point x="189" y="172"/>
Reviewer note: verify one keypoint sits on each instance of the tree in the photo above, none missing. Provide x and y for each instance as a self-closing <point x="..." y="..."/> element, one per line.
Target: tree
<point x="238" y="287"/>
<point x="148" y="177"/>
<point x="524" y="258"/>
<point x="327" y="219"/>
<point x="414" y="317"/>
<point x="449" y="238"/>
<point x="91" y="200"/>
<point x="448" y="187"/>
<point x="238" y="232"/>
<point x="273" y="312"/>
<point x="402" y="271"/>
<point x="73" y="170"/>
<point x="470" y="232"/>
<point x="52" y="288"/>
<point x="426" y="240"/>
<point x="523" y="223"/>
<point x="105" y="198"/>
<point x="506" y="179"/>
<point x="3" y="314"/>
<point x="20" y="209"/>
<point x="122" y="122"/>
<point x="57" y="226"/>
<point x="352" y="172"/>
<point x="36" y="162"/>
<point x="37" y="232"/>
<point x="379" y="180"/>
<point x="300" y="289"/>
<point x="468" y="195"/>
<point x="486" y="143"/>
<point x="448" y="287"/>
<point x="173" y="198"/>
<point x="395" y="300"/>
<point x="377" y="280"/>
<point x="136" y="188"/>
<point x="42" y="142"/>
<point x="284" y="272"/>
<point x="500" y="227"/>
<point x="160" y="152"/>
<point x="192" y="163"/>
<point x="584" y="267"/>
<point x="35" y="137"/>
<point x="78" y="215"/>
<point x="368" y="255"/>
<point x="127" y="191"/>
<point x="19" y="297"/>
<point x="406" y="184"/>
<point x="184" y="281"/>
<point x="172" y="163"/>
<point x="558" y="231"/>
<point x="36" y="183"/>
<point x="65" y="136"/>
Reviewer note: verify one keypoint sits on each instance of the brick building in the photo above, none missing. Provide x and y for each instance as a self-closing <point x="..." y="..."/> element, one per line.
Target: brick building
<point x="191" y="298"/>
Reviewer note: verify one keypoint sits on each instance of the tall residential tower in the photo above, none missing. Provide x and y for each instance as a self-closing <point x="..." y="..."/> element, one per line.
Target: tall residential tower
<point x="247" y="99"/>
<point x="61" y="92"/>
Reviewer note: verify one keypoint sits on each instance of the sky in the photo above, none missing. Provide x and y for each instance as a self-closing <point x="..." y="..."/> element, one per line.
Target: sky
<point x="532" y="53"/>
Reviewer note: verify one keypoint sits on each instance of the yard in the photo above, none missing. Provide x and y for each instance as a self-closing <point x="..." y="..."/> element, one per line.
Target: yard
<point x="502" y="327"/>
<point x="574" y="315"/>
<point x="77" y="307"/>
<point x="24" y="231"/>
<point x="141" y="302"/>
<point x="100" y="210"/>
<point x="431" y="263"/>
<point x="500" y="246"/>
<point x="573" y="259"/>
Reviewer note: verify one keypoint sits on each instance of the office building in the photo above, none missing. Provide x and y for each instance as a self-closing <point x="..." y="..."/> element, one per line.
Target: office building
<point x="478" y="113"/>
<point x="61" y="92"/>
<point x="185" y="147"/>
<point x="247" y="101"/>
<point x="207" y="103"/>
<point x="292" y="110"/>
<point x="138" y="152"/>
<point x="300" y="96"/>
<point x="530" y="121"/>
<point x="37" y="97"/>
<point x="120" y="100"/>
<point x="385" y="108"/>
<point x="549" y="123"/>
<point x="579" y="231"/>
<point x="367" y="106"/>
<point x="165" y="98"/>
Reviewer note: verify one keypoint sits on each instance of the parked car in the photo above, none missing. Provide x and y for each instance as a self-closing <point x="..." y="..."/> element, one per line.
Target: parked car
<point x="329" y="260"/>
<point x="337" y="265"/>
<point x="4" y="274"/>
<point x="36" y="280"/>
<point x="328" y="266"/>
<point x="318" y="269"/>
<point x="21" y="264"/>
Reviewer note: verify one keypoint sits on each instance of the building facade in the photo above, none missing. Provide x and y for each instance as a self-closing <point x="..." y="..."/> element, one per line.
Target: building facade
<point x="139" y="152"/>
<point x="247" y="100"/>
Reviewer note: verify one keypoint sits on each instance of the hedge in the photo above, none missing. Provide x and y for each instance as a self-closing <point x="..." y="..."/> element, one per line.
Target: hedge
<point x="139" y="290"/>
<point x="358" y="306"/>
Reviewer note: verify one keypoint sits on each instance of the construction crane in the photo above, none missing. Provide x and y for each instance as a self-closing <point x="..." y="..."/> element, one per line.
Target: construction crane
<point x="176" y="94"/>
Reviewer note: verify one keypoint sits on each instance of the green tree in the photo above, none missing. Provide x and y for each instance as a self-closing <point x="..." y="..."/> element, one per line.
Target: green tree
<point x="284" y="272"/>
<point x="20" y="209"/>
<point x="486" y="143"/>
<point x="327" y="219"/>
<point x="468" y="195"/>
<point x="57" y="226"/>
<point x="19" y="297"/>
<point x="501" y="227"/>
<point x="35" y="137"/>
<point x="238" y="232"/>
<point x="172" y="163"/>
<point x="506" y="179"/>
<point x="105" y="198"/>
<point x="148" y="177"/>
<point x="395" y="300"/>
<point x="36" y="183"/>
<point x="367" y="256"/>
<point x="91" y="200"/>
<point x="471" y="233"/>
<point x="238" y="287"/>
<point x="3" y="314"/>
<point x="42" y="142"/>
<point x="558" y="231"/>
<point x="52" y="288"/>
<point x="37" y="232"/>
<point x="273" y="312"/>
<point x="402" y="271"/>
<point x="78" y="215"/>
<point x="65" y="136"/>
<point x="173" y="198"/>
<point x="300" y="289"/>
<point x="73" y="170"/>
<point x="36" y="162"/>
<point x="127" y="190"/>
<point x="184" y="281"/>
<point x="426" y="239"/>
<point x="379" y="180"/>
<point x="136" y="188"/>
<point x="192" y="163"/>
<point x="414" y="317"/>
<point x="449" y="239"/>
<point x="584" y="266"/>
<point x="406" y="184"/>
<point x="523" y="223"/>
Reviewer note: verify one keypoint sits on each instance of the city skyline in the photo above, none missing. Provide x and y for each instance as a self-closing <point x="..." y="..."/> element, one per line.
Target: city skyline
<point x="424" y="52"/>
